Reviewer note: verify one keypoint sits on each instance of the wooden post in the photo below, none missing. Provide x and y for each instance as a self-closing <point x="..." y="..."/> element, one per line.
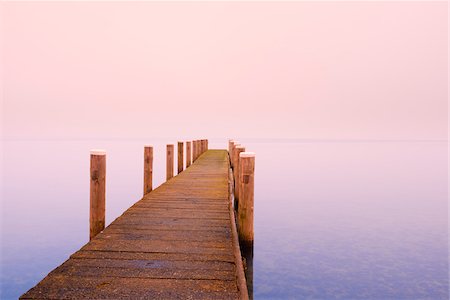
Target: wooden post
<point x="207" y="146"/>
<point x="202" y="143"/>
<point x="180" y="157"/>
<point x="233" y="145"/>
<point x="230" y="144"/>
<point x="188" y="154"/>
<point x="246" y="196"/>
<point x="200" y="149"/>
<point x="97" y="193"/>
<point x="194" y="150"/>
<point x="148" y="169"/>
<point x="237" y="150"/>
<point x="169" y="162"/>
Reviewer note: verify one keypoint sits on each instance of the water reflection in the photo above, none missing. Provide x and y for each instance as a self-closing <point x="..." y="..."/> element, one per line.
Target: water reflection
<point x="247" y="255"/>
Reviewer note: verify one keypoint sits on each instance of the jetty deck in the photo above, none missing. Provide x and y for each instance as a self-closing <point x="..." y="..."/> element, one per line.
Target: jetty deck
<point x="178" y="241"/>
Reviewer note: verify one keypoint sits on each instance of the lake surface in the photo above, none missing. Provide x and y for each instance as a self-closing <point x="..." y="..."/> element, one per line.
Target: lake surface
<point x="347" y="220"/>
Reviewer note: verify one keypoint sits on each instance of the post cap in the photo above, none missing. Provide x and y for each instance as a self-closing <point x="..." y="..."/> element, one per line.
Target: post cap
<point x="148" y="146"/>
<point x="247" y="154"/>
<point x="98" y="152"/>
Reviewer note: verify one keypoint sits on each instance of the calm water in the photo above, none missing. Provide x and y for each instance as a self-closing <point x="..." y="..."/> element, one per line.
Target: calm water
<point x="349" y="220"/>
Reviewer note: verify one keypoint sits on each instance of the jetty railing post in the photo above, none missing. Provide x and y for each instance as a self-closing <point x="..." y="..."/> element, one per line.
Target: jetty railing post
<point x="188" y="154"/>
<point x="233" y="145"/>
<point x="230" y="144"/>
<point x="97" y="192"/>
<point x="237" y="150"/>
<point x="198" y="149"/>
<point x="180" y="159"/>
<point x="194" y="150"/>
<point x="169" y="162"/>
<point x="246" y="196"/>
<point x="148" y="169"/>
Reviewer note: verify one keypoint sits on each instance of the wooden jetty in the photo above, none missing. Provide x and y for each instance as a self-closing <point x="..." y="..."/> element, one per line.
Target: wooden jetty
<point x="178" y="241"/>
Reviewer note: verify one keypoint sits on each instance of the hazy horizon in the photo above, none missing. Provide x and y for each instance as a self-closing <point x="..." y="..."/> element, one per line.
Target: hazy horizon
<point x="308" y="70"/>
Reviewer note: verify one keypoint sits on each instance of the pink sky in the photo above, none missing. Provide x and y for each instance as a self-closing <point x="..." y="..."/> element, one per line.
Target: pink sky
<point x="250" y="69"/>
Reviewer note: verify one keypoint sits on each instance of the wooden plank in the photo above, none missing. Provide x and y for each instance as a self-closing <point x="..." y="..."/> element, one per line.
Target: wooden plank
<point x="145" y="269"/>
<point x="226" y="257"/>
<point x="73" y="287"/>
<point x="165" y="235"/>
<point x="176" y="242"/>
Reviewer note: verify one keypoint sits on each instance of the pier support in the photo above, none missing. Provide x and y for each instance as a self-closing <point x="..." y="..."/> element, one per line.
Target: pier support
<point x="188" y="154"/>
<point x="148" y="169"/>
<point x="233" y="145"/>
<point x="194" y="150"/>
<point x="97" y="192"/>
<point x="230" y="145"/>
<point x="246" y="197"/>
<point x="199" y="148"/>
<point x="169" y="162"/>
<point x="180" y="158"/>
<point x="237" y="150"/>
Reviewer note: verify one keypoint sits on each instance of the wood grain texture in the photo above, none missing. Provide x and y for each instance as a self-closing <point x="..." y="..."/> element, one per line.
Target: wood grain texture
<point x="188" y="154"/>
<point x="180" y="157"/>
<point x="169" y="161"/>
<point x="246" y="197"/>
<point x="97" y="194"/>
<point x="237" y="151"/>
<point x="177" y="242"/>
<point x="148" y="169"/>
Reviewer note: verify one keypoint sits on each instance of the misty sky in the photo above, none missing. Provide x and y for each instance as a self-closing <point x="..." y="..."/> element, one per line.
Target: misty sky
<point x="350" y="70"/>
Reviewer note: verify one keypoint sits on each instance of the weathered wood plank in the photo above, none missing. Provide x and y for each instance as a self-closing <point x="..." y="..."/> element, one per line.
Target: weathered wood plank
<point x="134" y="255"/>
<point x="71" y="287"/>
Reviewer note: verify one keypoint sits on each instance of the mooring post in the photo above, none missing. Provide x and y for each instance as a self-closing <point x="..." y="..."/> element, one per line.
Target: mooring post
<point x="237" y="150"/>
<point x="169" y="162"/>
<point x="230" y="144"/>
<point x="97" y="193"/>
<point x="198" y="149"/>
<point x="188" y="154"/>
<point x="233" y="145"/>
<point x="246" y="196"/>
<point x="194" y="150"/>
<point x="180" y="157"/>
<point x="148" y="169"/>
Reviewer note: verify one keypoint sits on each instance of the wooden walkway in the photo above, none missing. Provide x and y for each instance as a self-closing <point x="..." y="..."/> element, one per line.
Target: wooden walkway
<point x="179" y="241"/>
